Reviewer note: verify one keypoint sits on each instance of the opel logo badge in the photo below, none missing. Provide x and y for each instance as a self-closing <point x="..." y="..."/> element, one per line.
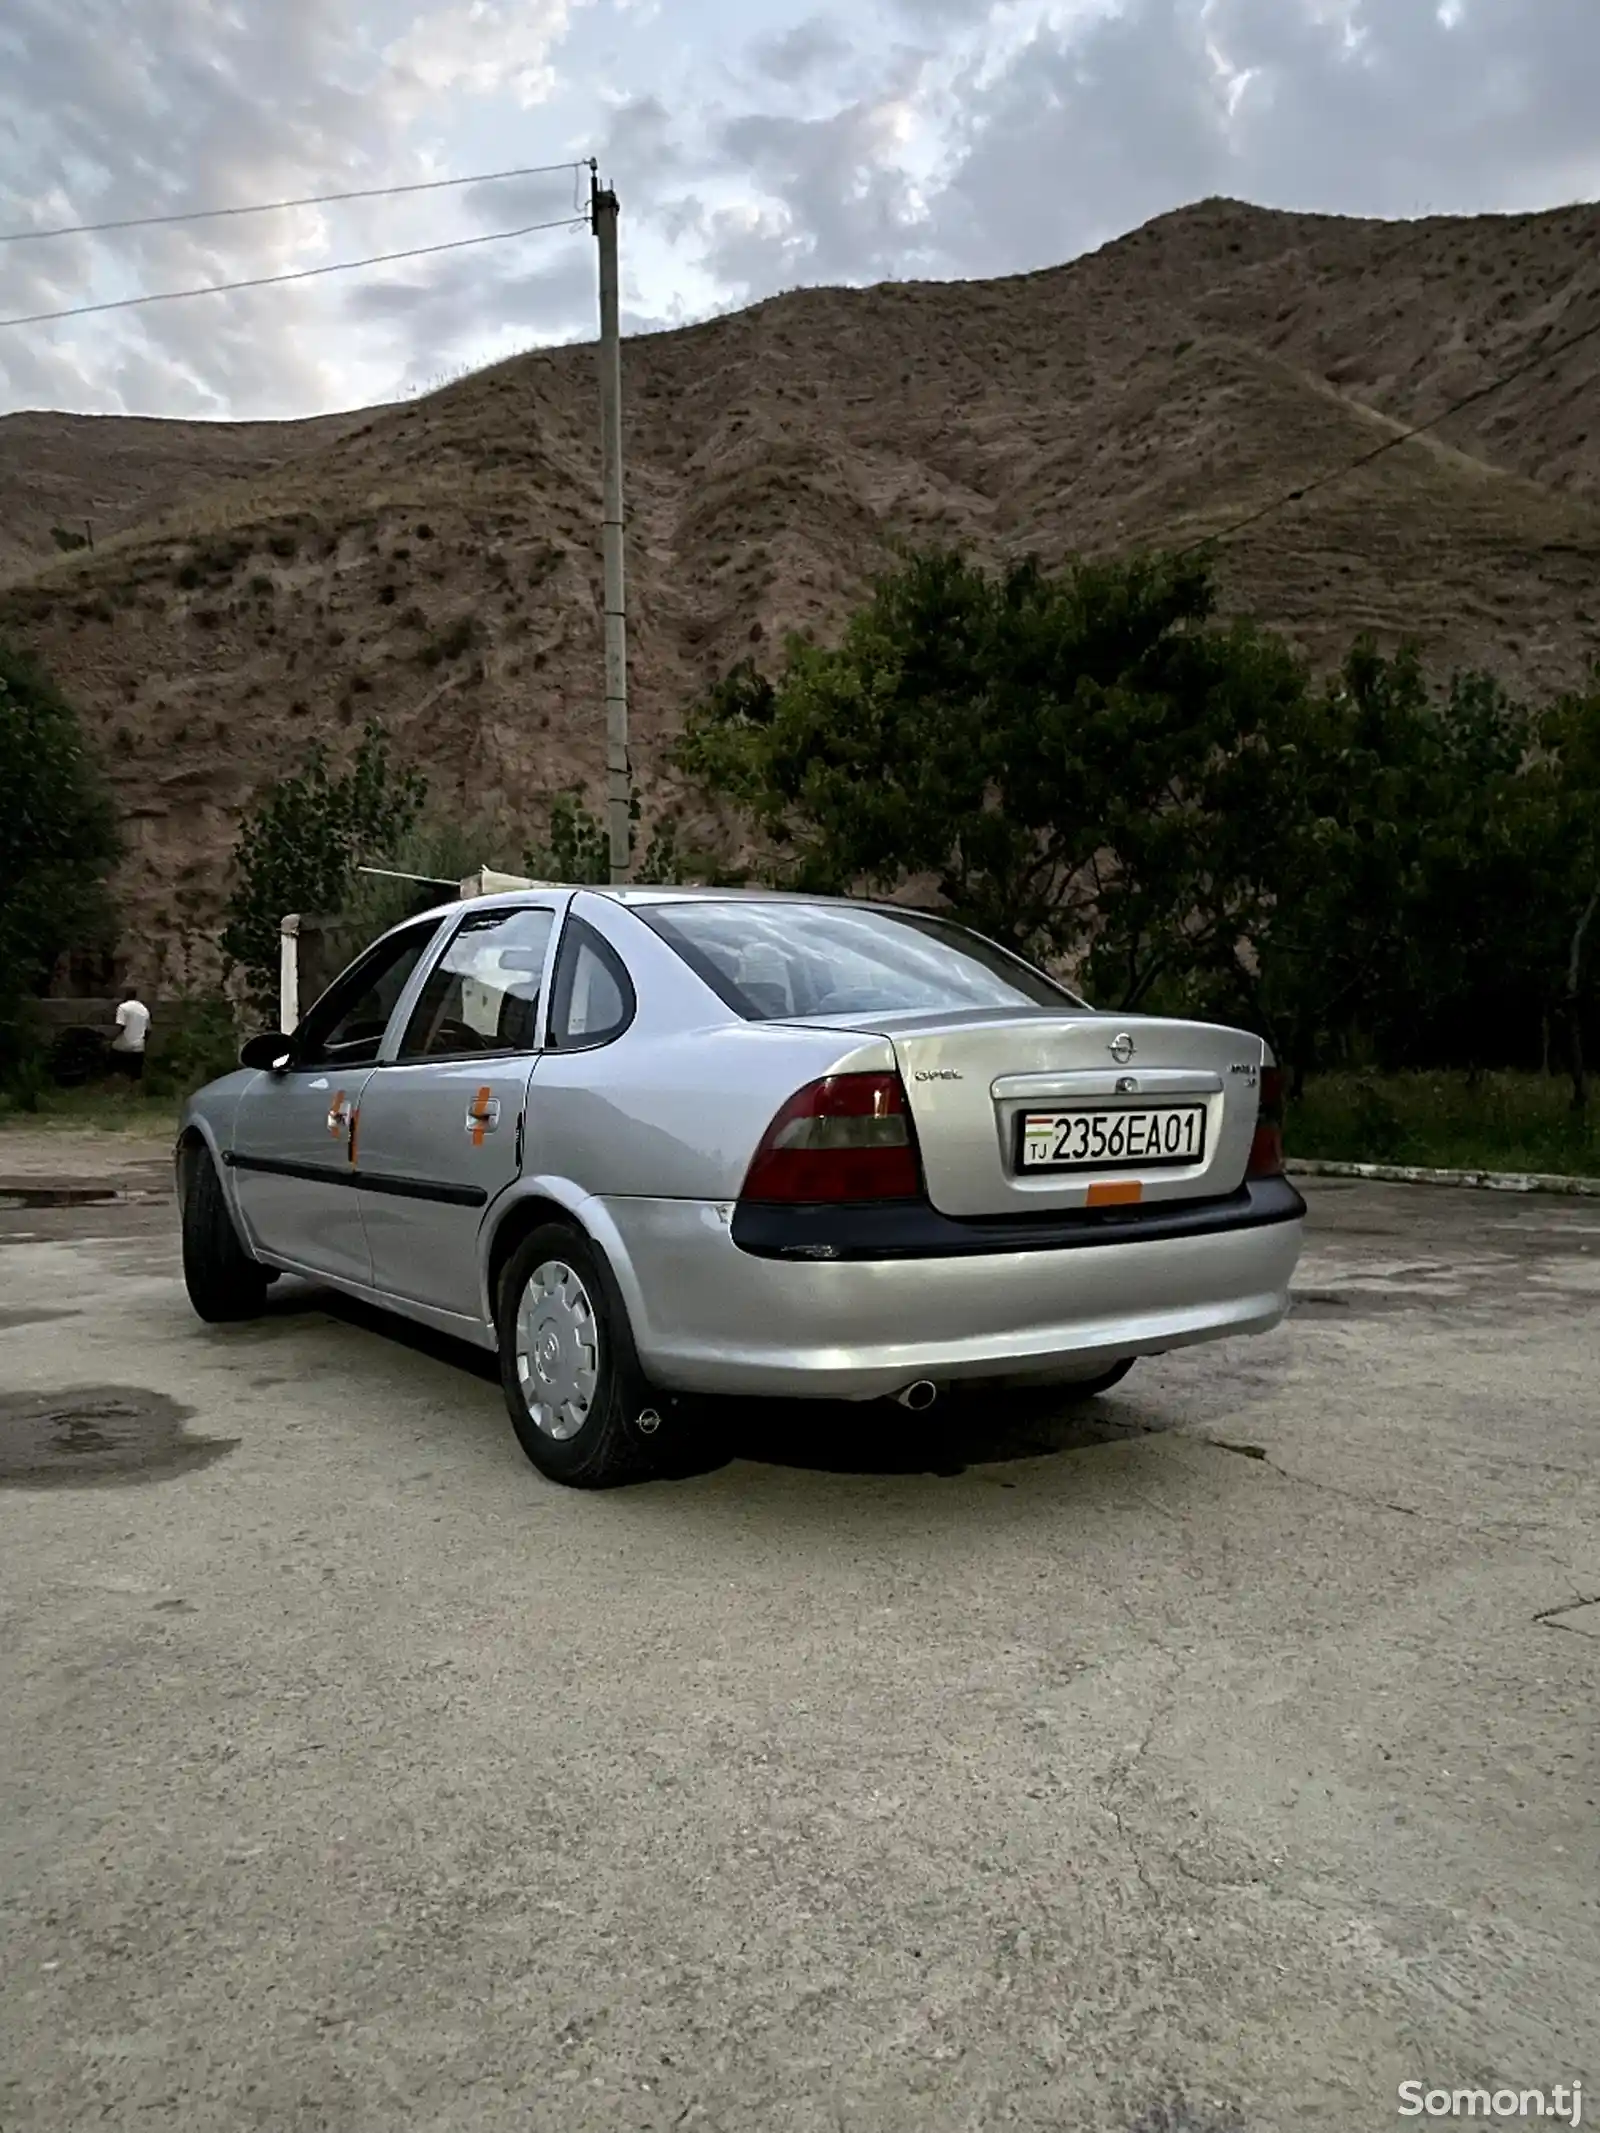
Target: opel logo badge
<point x="1121" y="1048"/>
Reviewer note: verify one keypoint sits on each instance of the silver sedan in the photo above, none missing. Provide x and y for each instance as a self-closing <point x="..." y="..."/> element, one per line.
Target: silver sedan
<point x="649" y="1144"/>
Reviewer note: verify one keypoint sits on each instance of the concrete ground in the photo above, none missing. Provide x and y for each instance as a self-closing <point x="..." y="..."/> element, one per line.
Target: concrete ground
<point x="1219" y="1759"/>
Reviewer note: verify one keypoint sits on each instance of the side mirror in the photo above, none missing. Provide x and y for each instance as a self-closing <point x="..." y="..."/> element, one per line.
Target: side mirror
<point x="270" y="1052"/>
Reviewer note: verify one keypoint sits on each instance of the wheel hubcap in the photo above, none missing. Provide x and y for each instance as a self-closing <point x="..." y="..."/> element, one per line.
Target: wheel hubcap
<point x="558" y="1350"/>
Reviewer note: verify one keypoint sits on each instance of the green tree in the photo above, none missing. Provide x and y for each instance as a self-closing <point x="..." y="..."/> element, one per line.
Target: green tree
<point x="300" y="846"/>
<point x="1416" y="877"/>
<point x="1463" y="980"/>
<point x="1092" y="768"/>
<point x="575" y="846"/>
<point x="1047" y="752"/>
<point x="440" y="850"/>
<point x="1367" y="859"/>
<point x="1565" y="780"/>
<point x="58" y="843"/>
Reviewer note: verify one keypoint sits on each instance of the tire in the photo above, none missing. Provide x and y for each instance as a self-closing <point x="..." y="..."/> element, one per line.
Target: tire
<point x="225" y="1284"/>
<point x="571" y="1375"/>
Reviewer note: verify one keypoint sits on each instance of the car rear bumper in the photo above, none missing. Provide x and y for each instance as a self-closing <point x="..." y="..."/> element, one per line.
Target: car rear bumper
<point x="709" y="1316"/>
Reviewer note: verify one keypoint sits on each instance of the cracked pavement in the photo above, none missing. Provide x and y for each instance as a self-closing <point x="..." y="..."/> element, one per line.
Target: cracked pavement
<point x="1211" y="1760"/>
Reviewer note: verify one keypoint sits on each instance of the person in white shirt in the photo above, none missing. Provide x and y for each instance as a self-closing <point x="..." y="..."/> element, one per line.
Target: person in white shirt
<point x="133" y="1026"/>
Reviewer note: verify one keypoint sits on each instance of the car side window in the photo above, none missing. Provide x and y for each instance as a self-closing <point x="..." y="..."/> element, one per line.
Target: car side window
<point x="592" y="999"/>
<point x="347" y="1025"/>
<point x="483" y="994"/>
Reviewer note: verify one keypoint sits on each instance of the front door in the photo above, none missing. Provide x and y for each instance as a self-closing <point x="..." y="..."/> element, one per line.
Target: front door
<point x="441" y="1121"/>
<point x="291" y="1152"/>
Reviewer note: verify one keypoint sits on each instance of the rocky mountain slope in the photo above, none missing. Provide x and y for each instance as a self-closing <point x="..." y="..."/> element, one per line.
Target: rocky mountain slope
<point x="435" y="564"/>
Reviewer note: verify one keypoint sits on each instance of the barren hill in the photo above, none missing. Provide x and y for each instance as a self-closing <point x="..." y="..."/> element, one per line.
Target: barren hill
<point x="91" y="476"/>
<point x="436" y="563"/>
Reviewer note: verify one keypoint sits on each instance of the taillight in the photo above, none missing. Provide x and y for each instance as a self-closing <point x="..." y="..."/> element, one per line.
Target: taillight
<point x="847" y="1137"/>
<point x="1266" y="1150"/>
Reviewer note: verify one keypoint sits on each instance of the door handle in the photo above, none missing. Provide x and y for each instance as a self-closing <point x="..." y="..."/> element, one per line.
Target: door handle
<point x="483" y="1116"/>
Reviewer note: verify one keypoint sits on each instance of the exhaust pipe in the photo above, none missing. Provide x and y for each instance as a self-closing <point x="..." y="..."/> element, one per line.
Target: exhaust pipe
<point x="918" y="1397"/>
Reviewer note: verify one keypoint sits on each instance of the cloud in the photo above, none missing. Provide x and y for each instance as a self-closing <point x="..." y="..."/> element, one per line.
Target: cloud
<point x="833" y="196"/>
<point x="481" y="47"/>
<point x="640" y="134"/>
<point x="899" y="137"/>
<point x="161" y="106"/>
<point x="1371" y="107"/>
<point x="1039" y="132"/>
<point x="925" y="14"/>
<point x="1081" y="136"/>
<point x="551" y="288"/>
<point x="797" y="54"/>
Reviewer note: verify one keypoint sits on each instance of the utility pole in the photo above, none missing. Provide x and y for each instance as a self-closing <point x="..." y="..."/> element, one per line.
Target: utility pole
<point x="603" y="215"/>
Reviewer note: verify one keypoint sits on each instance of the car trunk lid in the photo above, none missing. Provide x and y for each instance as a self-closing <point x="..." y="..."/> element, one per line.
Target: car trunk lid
<point x="1033" y="1110"/>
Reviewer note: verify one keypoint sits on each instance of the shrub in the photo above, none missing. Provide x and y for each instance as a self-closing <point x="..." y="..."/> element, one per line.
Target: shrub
<point x="58" y="842"/>
<point x="451" y="643"/>
<point x="301" y="844"/>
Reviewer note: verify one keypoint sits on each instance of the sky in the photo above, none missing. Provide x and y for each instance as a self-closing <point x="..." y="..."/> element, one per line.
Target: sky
<point x="755" y="145"/>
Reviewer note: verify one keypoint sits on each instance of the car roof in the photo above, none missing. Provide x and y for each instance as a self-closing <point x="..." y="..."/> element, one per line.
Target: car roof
<point x="627" y="895"/>
<point x="665" y="893"/>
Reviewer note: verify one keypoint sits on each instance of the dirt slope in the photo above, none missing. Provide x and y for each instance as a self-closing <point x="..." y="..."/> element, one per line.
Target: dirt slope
<point x="93" y="476"/>
<point x="435" y="563"/>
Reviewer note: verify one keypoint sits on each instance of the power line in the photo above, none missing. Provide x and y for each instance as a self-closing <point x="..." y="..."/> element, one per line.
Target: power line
<point x="267" y="281"/>
<point x="270" y="207"/>
<point x="1391" y="444"/>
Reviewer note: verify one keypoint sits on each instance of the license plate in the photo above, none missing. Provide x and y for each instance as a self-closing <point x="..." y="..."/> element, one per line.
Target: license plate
<point x="1098" y="1140"/>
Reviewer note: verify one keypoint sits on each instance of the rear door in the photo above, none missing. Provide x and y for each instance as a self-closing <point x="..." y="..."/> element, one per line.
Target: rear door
<point x="1033" y="1112"/>
<point x="291" y="1151"/>
<point x="440" y="1129"/>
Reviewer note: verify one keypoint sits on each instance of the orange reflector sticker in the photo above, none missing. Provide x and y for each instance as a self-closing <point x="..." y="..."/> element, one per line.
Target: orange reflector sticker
<point x="1120" y="1193"/>
<point x="480" y="1112"/>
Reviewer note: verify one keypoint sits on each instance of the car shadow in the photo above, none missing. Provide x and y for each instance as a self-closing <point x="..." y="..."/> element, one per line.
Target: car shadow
<point x="969" y="1427"/>
<point x="300" y="1300"/>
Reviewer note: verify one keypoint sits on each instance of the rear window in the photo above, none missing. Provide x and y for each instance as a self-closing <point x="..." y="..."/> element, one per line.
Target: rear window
<point x="776" y="961"/>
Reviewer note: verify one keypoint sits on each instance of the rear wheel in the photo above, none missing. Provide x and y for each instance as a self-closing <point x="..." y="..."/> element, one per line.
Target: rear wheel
<point x="581" y="1406"/>
<point x="224" y="1282"/>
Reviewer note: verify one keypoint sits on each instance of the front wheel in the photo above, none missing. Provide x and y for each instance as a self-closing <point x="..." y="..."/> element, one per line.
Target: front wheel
<point x="224" y="1283"/>
<point x="581" y="1406"/>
